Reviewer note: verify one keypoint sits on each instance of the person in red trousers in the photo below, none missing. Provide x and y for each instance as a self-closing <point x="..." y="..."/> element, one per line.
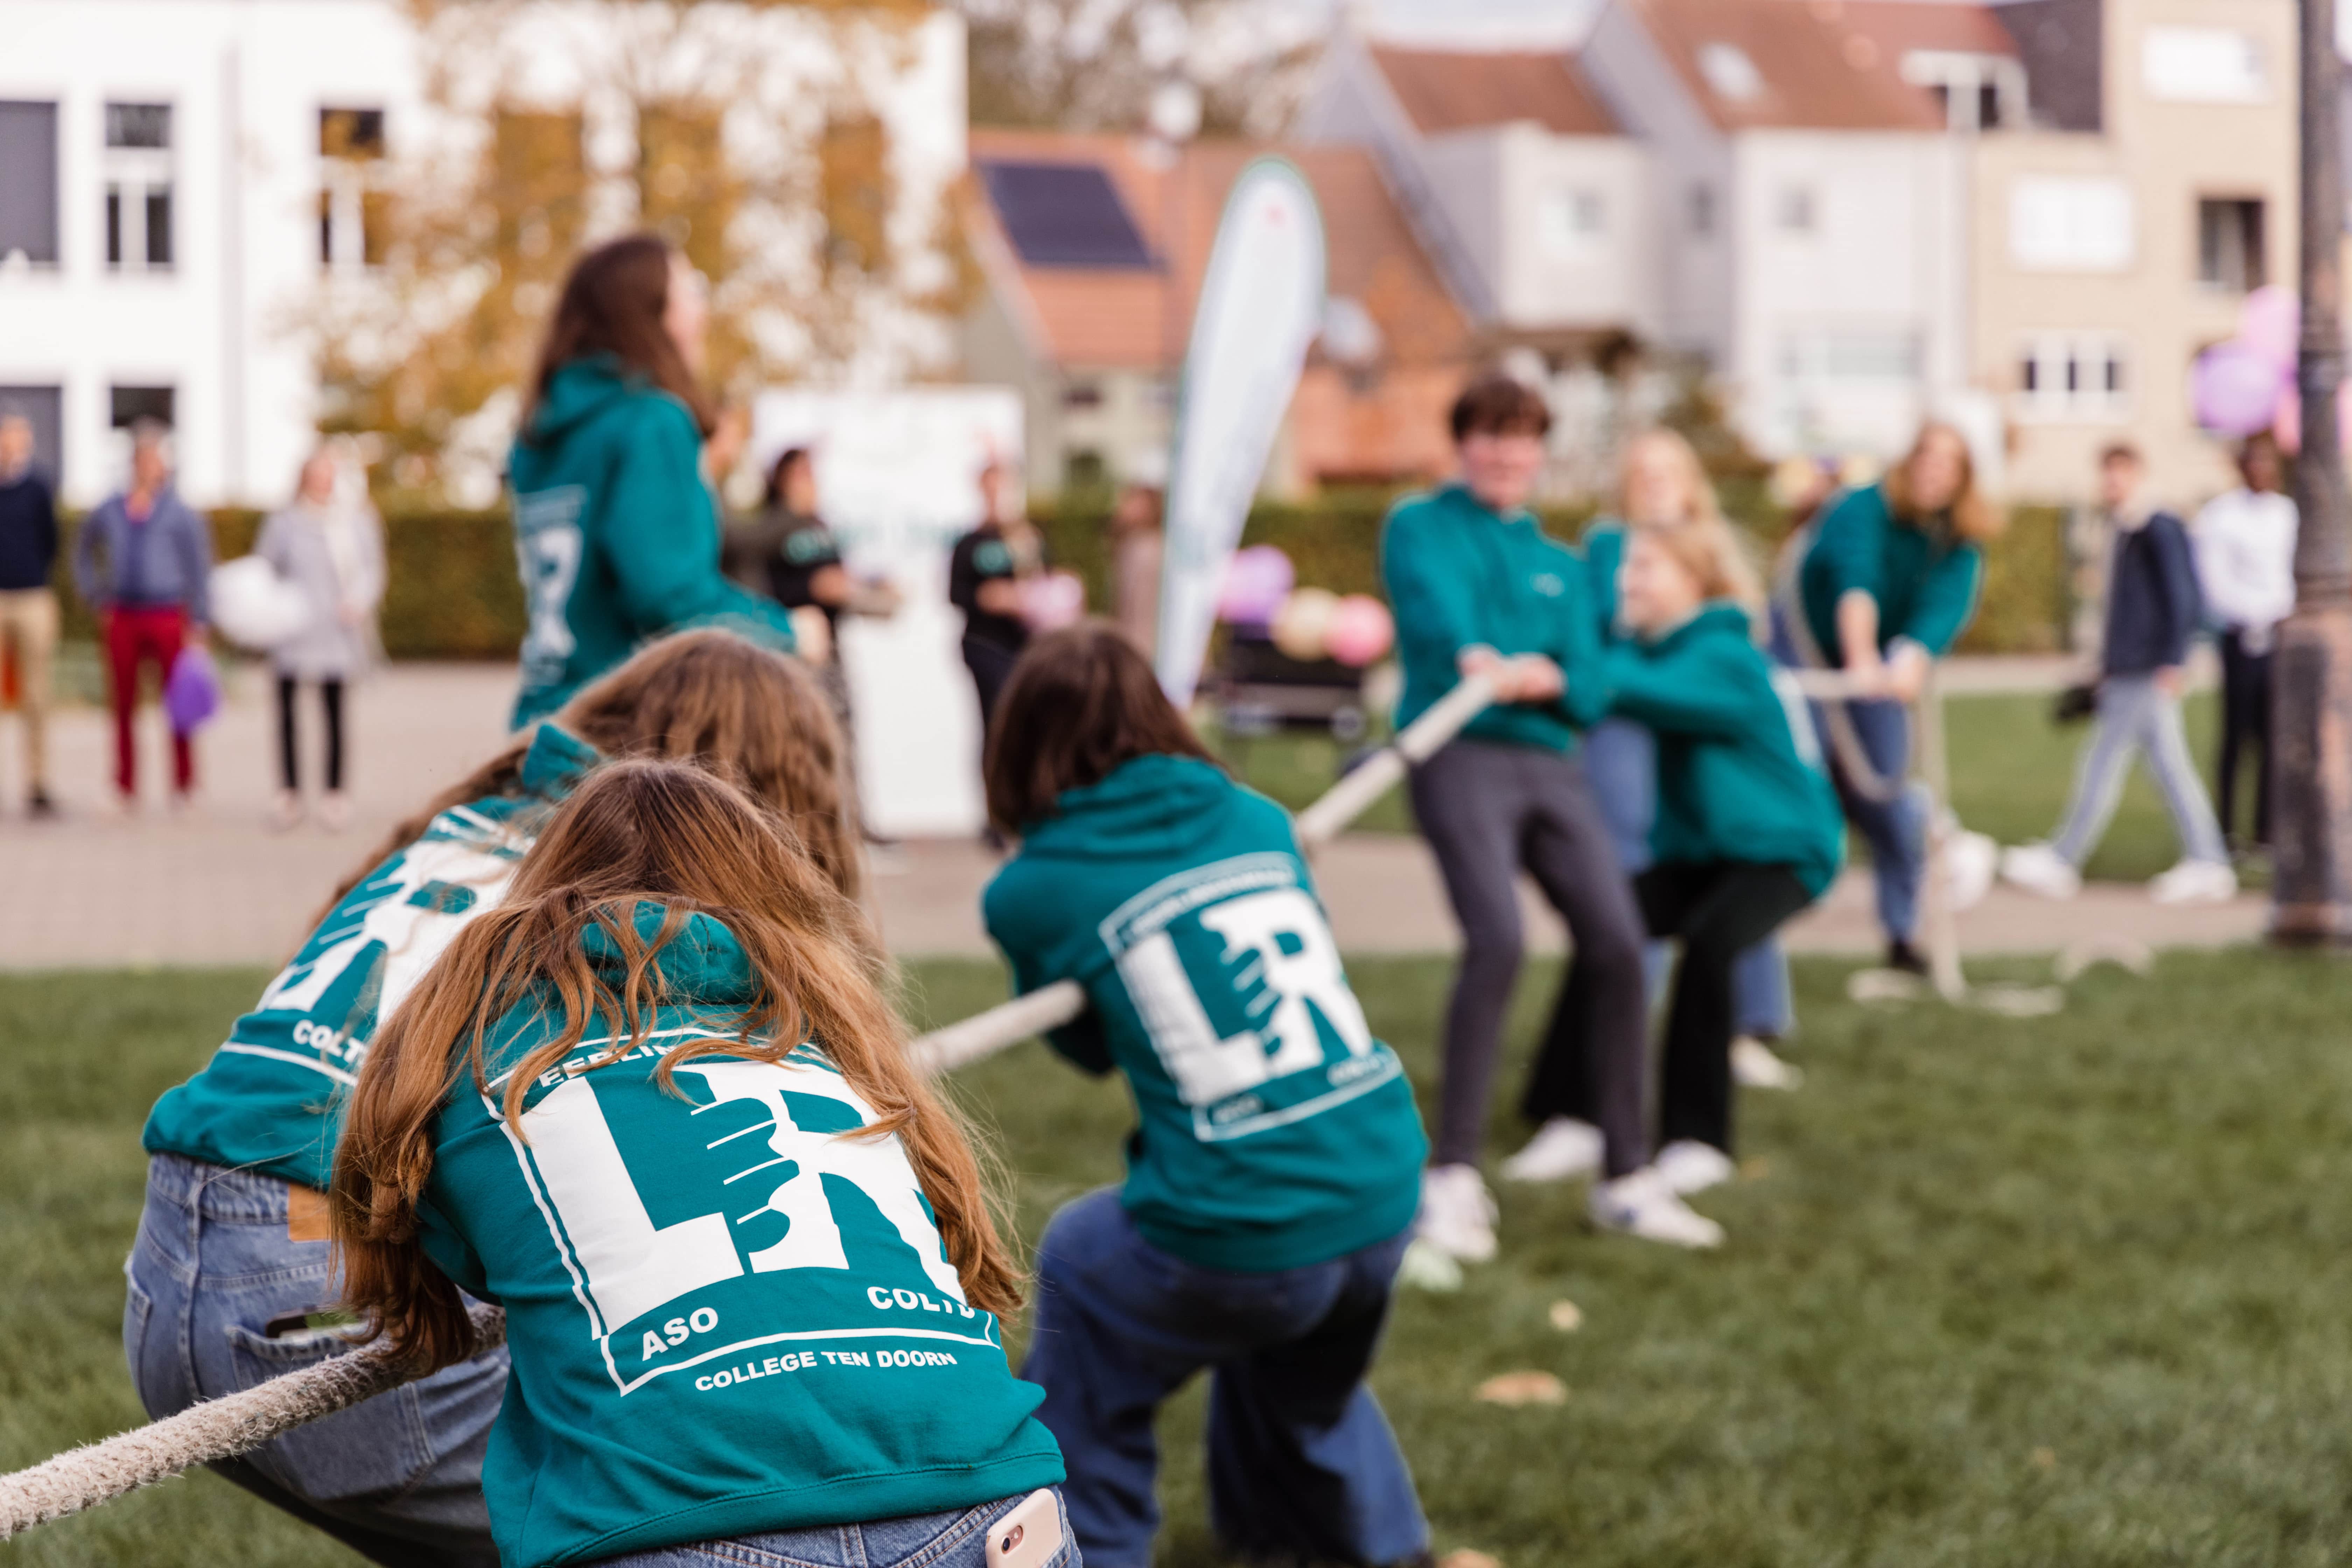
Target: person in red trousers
<point x="140" y="560"/>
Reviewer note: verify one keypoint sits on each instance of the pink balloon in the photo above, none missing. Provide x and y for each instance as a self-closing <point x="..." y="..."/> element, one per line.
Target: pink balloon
<point x="2234" y="390"/>
<point x="2288" y="427"/>
<point x="2271" y="323"/>
<point x="1361" y="630"/>
<point x="1257" y="581"/>
<point x="1052" y="600"/>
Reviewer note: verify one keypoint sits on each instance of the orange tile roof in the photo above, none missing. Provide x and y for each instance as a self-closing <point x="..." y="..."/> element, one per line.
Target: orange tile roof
<point x="1126" y="320"/>
<point x="1444" y="90"/>
<point x="1831" y="65"/>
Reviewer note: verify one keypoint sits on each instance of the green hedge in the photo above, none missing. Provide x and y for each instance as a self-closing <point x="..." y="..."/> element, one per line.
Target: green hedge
<point x="454" y="593"/>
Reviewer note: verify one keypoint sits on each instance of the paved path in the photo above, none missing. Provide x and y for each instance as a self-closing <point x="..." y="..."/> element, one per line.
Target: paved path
<point x="212" y="886"/>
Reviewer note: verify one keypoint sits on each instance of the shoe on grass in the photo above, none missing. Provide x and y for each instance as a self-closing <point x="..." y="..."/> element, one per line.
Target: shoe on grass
<point x="1904" y="958"/>
<point x="2038" y="868"/>
<point x="1562" y="1147"/>
<point x="2195" y="882"/>
<point x="1755" y="1065"/>
<point x="1643" y="1204"/>
<point x="1690" y="1167"/>
<point x="1457" y="1213"/>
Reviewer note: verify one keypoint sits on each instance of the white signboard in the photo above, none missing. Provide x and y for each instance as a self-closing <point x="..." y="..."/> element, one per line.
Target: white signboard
<point x="1260" y="304"/>
<point x="897" y="478"/>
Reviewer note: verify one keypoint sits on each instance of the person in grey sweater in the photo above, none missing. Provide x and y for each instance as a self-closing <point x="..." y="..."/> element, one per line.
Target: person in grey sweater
<point x="331" y="549"/>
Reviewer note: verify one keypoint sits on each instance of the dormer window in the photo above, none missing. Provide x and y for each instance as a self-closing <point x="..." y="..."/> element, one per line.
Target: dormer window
<point x="1729" y="72"/>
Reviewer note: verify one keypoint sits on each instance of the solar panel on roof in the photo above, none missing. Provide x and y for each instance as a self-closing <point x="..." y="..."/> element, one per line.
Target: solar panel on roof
<point x="1064" y="215"/>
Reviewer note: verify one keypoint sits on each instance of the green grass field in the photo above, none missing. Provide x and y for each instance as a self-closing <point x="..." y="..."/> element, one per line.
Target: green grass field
<point x="2012" y="768"/>
<point x="1997" y="1292"/>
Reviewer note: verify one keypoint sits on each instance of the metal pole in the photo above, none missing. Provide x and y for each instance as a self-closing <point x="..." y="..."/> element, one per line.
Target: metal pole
<point x="2312" y="705"/>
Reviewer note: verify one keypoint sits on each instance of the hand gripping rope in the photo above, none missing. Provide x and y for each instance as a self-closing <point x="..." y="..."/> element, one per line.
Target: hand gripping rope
<point x="81" y="1479"/>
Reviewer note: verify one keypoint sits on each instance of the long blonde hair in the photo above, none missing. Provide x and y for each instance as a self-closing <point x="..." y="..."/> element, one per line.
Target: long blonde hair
<point x="709" y="697"/>
<point x="1715" y="556"/>
<point x="646" y="832"/>
<point x="1701" y="505"/>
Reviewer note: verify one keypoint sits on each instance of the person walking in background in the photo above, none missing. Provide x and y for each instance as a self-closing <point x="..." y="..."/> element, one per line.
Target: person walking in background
<point x="139" y="561"/>
<point x="985" y="577"/>
<point x="28" y="606"/>
<point x="1479" y="590"/>
<point x="2152" y="614"/>
<point x="331" y="548"/>
<point x="1885" y="582"/>
<point x="1136" y="546"/>
<point x="615" y="528"/>
<point x="1661" y="485"/>
<point x="1747" y="829"/>
<point x="2245" y="566"/>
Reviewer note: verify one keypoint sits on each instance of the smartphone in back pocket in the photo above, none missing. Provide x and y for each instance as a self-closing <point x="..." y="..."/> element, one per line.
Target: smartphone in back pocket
<point x="1030" y="1536"/>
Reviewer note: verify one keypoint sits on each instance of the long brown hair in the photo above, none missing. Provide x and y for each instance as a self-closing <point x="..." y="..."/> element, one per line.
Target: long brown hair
<point x="637" y="833"/>
<point x="613" y="303"/>
<point x="1974" y="518"/>
<point x="1081" y="702"/>
<point x="704" y="696"/>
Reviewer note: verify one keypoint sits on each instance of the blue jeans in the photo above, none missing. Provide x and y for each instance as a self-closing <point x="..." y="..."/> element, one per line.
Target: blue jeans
<point x="958" y="1540"/>
<point x="1620" y="757"/>
<point x="1302" y="1464"/>
<point x="2135" y="716"/>
<point x="397" y="1478"/>
<point x="1897" y="829"/>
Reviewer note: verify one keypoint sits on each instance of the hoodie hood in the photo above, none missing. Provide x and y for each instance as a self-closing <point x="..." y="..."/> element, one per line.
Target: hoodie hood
<point x="579" y="391"/>
<point x="1716" y="617"/>
<point x="702" y="963"/>
<point x="1147" y="807"/>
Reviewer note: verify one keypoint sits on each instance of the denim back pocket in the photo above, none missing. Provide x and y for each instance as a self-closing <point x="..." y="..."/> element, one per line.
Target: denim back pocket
<point x="379" y="1446"/>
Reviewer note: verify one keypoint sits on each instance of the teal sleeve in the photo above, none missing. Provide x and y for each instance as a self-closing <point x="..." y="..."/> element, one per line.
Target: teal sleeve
<point x="1436" y="611"/>
<point x="1603" y="552"/>
<point x="662" y="539"/>
<point x="1947" y="601"/>
<point x="1849" y="551"/>
<point x="1704" y="693"/>
<point x="1583" y="659"/>
<point x="1080" y="1042"/>
<point x="449" y="1251"/>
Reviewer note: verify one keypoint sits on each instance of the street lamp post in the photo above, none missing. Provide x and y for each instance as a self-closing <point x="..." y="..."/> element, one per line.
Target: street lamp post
<point x="2312" y="800"/>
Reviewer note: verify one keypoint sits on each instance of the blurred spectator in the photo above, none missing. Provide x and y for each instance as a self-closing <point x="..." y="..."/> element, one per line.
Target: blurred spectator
<point x="2152" y="614"/>
<point x="28" y="606"/>
<point x="1135" y="548"/>
<point x="2245" y="564"/>
<point x="984" y="581"/>
<point x="140" y="562"/>
<point x="1886" y="580"/>
<point x="329" y="546"/>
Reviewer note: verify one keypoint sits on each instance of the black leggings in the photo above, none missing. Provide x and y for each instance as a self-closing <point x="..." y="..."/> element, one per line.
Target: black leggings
<point x="1487" y="810"/>
<point x="330" y="699"/>
<point x="991" y="666"/>
<point x="2245" y="726"/>
<point x="1719" y="910"/>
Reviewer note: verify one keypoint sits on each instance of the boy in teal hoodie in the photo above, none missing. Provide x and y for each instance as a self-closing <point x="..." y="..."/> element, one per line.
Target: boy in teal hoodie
<point x="1747" y="829"/>
<point x="1273" y="1172"/>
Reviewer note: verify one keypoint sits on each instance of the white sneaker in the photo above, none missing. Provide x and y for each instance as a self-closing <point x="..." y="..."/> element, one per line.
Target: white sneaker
<point x="1755" y="1065"/>
<point x="1643" y="1204"/>
<point x="2038" y="868"/>
<point x="1970" y="859"/>
<point x="2195" y="882"/>
<point x="1562" y="1147"/>
<point x="1690" y="1167"/>
<point x="1457" y="1215"/>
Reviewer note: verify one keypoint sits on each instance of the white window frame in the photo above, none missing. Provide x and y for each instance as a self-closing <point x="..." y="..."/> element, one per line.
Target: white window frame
<point x="1962" y="76"/>
<point x="2046" y="231"/>
<point x="1571" y="221"/>
<point x="2174" y="62"/>
<point x="2092" y="353"/>
<point x="128" y="177"/>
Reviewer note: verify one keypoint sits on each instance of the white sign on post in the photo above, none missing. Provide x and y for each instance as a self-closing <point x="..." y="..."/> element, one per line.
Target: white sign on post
<point x="897" y="478"/>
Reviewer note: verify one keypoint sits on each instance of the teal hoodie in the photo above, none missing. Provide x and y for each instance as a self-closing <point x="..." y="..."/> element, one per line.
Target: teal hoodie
<point x="1459" y="574"/>
<point x="616" y="533"/>
<point x="1274" y="1131"/>
<point x="1740" y="771"/>
<point x="698" y="1355"/>
<point x="1602" y="546"/>
<point x="1926" y="581"/>
<point x="271" y="1098"/>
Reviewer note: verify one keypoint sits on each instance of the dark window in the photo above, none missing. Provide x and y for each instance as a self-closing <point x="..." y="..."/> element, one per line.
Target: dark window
<point x="1064" y="215"/>
<point x="2030" y="372"/>
<point x="127" y="405"/>
<point x="139" y="125"/>
<point x="1942" y="94"/>
<point x="326" y="228"/>
<point x="1796" y="204"/>
<point x="2114" y="374"/>
<point x="114" y="226"/>
<point x="1082" y="394"/>
<point x="1701" y="209"/>
<point x="1988" y="106"/>
<point x="2230" y="244"/>
<point x="351" y="133"/>
<point x="2074" y="371"/>
<point x="28" y="181"/>
<point x="1083" y="470"/>
<point x="159" y="225"/>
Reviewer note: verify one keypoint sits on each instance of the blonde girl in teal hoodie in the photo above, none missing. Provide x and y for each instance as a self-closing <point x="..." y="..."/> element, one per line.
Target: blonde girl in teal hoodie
<point x="657" y="1107"/>
<point x="617" y="532"/>
<point x="229" y="1281"/>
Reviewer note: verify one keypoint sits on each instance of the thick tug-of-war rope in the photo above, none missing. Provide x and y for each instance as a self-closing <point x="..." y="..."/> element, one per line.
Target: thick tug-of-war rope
<point x="81" y="1479"/>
